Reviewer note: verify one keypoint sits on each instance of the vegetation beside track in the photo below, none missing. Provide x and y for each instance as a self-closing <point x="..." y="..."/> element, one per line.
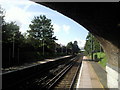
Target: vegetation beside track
<point x="102" y="57"/>
<point x="93" y="47"/>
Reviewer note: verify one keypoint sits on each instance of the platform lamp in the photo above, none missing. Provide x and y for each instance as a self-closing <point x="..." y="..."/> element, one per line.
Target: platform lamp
<point x="13" y="44"/>
<point x="92" y="47"/>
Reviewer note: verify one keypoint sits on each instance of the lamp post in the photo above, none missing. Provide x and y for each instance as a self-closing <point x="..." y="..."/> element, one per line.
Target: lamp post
<point x="100" y="50"/>
<point x="43" y="28"/>
<point x="43" y="47"/>
<point x="55" y="49"/>
<point x="66" y="50"/>
<point x="91" y="47"/>
<point x="13" y="49"/>
<point x="13" y="45"/>
<point x="61" y="48"/>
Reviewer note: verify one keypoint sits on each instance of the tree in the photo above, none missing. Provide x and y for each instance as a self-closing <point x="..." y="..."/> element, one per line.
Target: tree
<point x="88" y="44"/>
<point x="73" y="47"/>
<point x="10" y="32"/>
<point x="41" y="32"/>
<point x="76" y="49"/>
<point x="70" y="45"/>
<point x="2" y="15"/>
<point x="12" y="40"/>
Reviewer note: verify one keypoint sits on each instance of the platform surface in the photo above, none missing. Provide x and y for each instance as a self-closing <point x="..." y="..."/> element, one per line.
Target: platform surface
<point x="88" y="77"/>
<point x="28" y="65"/>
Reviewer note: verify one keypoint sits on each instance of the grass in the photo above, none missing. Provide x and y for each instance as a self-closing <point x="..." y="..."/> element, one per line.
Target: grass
<point x="102" y="57"/>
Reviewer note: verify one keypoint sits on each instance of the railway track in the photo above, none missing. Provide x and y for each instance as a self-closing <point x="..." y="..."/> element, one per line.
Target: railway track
<point x="21" y="78"/>
<point x="54" y="77"/>
<point x="48" y="79"/>
<point x="68" y="78"/>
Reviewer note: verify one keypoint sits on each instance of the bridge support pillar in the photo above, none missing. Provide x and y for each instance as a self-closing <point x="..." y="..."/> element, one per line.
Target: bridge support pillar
<point x="113" y="81"/>
<point x="113" y="63"/>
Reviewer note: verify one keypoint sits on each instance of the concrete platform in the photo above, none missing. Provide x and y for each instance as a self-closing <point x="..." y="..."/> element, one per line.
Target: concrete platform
<point x="88" y="77"/>
<point x="28" y="65"/>
<point x="101" y="73"/>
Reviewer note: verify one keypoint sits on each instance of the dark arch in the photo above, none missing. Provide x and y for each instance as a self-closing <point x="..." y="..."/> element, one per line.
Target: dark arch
<point x="101" y="19"/>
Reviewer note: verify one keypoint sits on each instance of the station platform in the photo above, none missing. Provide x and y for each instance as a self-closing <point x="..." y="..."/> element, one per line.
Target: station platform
<point x="28" y="65"/>
<point x="89" y="77"/>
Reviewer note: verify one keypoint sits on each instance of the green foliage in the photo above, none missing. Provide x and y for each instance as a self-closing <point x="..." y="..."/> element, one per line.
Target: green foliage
<point x="102" y="57"/>
<point x="2" y="15"/>
<point x="73" y="47"/>
<point x="70" y="45"/>
<point x="41" y="32"/>
<point x="10" y="33"/>
<point x="88" y="45"/>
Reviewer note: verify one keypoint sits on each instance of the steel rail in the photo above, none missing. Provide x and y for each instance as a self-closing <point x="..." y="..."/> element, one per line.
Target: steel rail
<point x="62" y="67"/>
<point x="57" y="77"/>
<point x="11" y="85"/>
<point x="53" y="81"/>
<point x="75" y="76"/>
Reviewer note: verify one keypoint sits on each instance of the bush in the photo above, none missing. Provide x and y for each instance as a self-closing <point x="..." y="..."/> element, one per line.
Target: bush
<point x="102" y="58"/>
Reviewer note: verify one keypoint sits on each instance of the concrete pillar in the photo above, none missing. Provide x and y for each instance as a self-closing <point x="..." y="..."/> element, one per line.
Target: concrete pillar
<point x="112" y="76"/>
<point x="113" y="65"/>
<point x="113" y="68"/>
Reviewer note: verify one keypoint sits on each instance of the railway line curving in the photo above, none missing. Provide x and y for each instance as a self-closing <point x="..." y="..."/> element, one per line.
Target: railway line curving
<point x="52" y="75"/>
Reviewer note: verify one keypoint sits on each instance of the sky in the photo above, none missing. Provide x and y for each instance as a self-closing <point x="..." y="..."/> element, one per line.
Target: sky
<point x="23" y="12"/>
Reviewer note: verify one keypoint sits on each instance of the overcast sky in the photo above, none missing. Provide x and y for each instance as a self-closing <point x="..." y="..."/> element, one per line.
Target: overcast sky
<point x="23" y="11"/>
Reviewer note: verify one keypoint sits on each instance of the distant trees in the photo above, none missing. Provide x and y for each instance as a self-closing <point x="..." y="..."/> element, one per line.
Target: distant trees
<point x="96" y="45"/>
<point x="73" y="47"/>
<point x="70" y="45"/>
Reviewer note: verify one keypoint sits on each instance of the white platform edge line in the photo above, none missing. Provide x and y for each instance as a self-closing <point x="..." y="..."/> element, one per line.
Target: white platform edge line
<point x="78" y="82"/>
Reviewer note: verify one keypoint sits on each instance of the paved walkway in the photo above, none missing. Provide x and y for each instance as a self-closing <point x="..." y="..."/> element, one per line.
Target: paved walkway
<point x="27" y="65"/>
<point x="101" y="73"/>
<point x="88" y="77"/>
